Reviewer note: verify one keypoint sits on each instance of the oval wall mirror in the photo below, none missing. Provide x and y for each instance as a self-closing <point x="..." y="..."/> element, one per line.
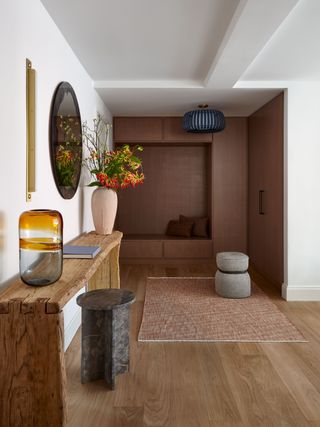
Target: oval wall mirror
<point x="65" y="136"/>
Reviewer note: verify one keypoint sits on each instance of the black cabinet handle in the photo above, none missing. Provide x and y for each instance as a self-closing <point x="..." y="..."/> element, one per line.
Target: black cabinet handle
<point x="261" y="210"/>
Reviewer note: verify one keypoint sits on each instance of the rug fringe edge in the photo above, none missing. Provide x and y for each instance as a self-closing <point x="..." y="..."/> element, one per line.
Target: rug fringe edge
<point x="222" y="341"/>
<point x="191" y="278"/>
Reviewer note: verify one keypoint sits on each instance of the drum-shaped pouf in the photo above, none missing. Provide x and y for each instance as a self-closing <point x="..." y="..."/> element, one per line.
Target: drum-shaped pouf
<point x="233" y="285"/>
<point x="232" y="262"/>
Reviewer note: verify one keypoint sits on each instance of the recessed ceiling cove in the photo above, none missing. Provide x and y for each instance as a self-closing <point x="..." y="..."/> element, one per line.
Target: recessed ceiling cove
<point x="151" y="57"/>
<point x="144" y="39"/>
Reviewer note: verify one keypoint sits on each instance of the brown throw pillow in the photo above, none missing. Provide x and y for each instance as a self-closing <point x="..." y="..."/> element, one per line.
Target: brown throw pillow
<point x="182" y="229"/>
<point x="200" y="226"/>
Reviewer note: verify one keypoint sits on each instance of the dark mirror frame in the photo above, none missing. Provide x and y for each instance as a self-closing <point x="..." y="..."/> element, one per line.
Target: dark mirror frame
<point x="74" y="149"/>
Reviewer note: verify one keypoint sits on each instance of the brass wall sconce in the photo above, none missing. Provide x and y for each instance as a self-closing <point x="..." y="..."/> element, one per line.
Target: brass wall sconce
<point x="31" y="129"/>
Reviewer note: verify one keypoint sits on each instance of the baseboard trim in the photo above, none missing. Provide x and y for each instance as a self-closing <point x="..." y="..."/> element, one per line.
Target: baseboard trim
<point x="300" y="293"/>
<point x="71" y="329"/>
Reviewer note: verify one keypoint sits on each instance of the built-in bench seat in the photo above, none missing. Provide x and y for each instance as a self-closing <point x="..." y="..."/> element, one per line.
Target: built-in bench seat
<point x="162" y="247"/>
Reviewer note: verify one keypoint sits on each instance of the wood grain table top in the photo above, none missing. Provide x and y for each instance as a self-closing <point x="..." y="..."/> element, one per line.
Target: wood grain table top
<point x="76" y="273"/>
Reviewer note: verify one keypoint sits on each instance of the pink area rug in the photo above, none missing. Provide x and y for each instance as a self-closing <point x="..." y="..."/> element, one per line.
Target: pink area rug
<point x="188" y="309"/>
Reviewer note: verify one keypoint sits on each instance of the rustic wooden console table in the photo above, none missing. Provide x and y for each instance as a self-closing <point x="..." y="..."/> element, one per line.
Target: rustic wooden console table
<point x="33" y="378"/>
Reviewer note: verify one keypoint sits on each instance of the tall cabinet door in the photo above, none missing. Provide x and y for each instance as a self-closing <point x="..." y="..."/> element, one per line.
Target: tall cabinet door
<point x="266" y="190"/>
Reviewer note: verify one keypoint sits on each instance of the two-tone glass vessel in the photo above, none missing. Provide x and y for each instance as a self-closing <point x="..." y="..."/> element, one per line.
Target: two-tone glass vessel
<point x="40" y="236"/>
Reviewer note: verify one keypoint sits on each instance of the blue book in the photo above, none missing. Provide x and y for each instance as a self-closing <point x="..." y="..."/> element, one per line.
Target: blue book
<point x="74" y="251"/>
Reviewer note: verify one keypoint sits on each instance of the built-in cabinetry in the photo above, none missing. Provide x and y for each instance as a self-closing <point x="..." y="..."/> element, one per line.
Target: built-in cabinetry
<point x="164" y="247"/>
<point x="186" y="173"/>
<point x="266" y="190"/>
<point x="230" y="186"/>
<point x="154" y="130"/>
<point x="137" y="129"/>
<point x="235" y="177"/>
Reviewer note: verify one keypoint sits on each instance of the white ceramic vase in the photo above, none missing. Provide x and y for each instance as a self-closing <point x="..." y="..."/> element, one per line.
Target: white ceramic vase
<point x="104" y="204"/>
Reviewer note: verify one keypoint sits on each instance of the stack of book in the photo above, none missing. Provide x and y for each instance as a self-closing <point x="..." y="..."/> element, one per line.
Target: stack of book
<point x="75" y="251"/>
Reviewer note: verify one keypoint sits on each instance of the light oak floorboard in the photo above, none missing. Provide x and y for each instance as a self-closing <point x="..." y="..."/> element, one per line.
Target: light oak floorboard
<point x="204" y="384"/>
<point x="293" y="376"/>
<point x="220" y="403"/>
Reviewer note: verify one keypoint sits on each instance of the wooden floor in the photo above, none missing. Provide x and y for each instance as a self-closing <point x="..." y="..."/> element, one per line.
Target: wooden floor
<point x="204" y="384"/>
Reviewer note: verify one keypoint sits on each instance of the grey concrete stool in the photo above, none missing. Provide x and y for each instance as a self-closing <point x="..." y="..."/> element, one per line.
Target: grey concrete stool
<point x="105" y="349"/>
<point x="232" y="279"/>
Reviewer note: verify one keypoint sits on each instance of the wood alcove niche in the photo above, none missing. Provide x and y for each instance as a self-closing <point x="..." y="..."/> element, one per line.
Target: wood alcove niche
<point x="178" y="171"/>
<point x="235" y="177"/>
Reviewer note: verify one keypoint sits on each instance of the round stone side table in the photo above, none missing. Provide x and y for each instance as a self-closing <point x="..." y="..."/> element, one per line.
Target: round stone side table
<point x="105" y="345"/>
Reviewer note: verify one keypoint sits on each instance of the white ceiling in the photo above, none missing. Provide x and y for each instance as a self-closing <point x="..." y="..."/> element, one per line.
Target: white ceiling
<point x="143" y="39"/>
<point x="175" y="102"/>
<point x="293" y="53"/>
<point x="151" y="57"/>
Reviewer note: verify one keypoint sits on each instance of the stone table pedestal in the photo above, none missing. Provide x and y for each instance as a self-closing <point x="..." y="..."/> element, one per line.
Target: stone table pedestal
<point x="105" y="349"/>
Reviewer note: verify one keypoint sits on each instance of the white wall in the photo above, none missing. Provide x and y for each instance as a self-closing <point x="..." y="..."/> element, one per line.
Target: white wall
<point x="27" y="31"/>
<point x="302" y="278"/>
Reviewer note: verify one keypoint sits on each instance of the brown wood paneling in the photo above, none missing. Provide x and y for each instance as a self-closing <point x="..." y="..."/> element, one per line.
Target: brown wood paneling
<point x="155" y="129"/>
<point x="141" y="249"/>
<point x="230" y="182"/>
<point x="266" y="173"/>
<point x="256" y="222"/>
<point x="173" y="131"/>
<point x="137" y="129"/>
<point x="187" y="248"/>
<point x="204" y="180"/>
<point x="176" y="183"/>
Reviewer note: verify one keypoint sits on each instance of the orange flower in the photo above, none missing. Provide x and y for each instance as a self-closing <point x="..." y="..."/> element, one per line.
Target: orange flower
<point x="115" y="169"/>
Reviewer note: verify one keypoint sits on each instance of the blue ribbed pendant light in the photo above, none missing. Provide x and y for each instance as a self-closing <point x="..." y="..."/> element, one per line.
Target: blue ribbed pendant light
<point x="203" y="120"/>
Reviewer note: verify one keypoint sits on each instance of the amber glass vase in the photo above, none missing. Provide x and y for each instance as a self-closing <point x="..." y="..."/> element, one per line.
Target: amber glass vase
<point x="40" y="236"/>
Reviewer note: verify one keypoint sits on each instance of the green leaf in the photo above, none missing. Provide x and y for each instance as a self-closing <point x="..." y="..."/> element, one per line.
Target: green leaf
<point x="95" y="184"/>
<point x="136" y="159"/>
